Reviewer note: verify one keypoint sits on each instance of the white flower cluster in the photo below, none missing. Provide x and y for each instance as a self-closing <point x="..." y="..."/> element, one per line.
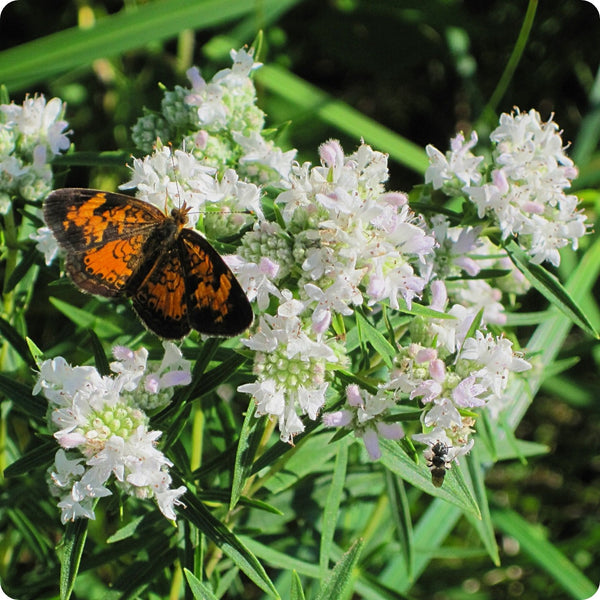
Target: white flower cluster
<point x="450" y="372"/>
<point x="459" y="257"/>
<point x="525" y="191"/>
<point x="290" y="364"/>
<point x="31" y="134"/>
<point x="171" y="179"/>
<point x="365" y="415"/>
<point x="219" y="122"/>
<point x="100" y="424"/>
<point x="354" y="244"/>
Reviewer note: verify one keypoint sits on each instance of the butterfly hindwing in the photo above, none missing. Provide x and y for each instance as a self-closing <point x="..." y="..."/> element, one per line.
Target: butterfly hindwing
<point x="159" y="296"/>
<point x="217" y="304"/>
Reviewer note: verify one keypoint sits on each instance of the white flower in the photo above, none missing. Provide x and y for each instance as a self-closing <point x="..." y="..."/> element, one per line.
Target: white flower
<point x="46" y="243"/>
<point x="256" y="279"/>
<point x="458" y="168"/>
<point x="366" y="415"/>
<point x="526" y="194"/>
<point x="101" y="419"/>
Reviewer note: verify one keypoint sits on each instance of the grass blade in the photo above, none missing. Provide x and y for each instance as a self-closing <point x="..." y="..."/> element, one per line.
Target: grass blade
<point x="544" y="553"/>
<point x="338" y="584"/>
<point x="332" y="506"/>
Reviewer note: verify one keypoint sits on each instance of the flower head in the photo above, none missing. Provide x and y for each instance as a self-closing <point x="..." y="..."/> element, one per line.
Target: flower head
<point x="100" y="424"/>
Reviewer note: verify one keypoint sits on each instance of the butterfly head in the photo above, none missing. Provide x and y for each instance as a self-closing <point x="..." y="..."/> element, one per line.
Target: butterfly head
<point x="180" y="215"/>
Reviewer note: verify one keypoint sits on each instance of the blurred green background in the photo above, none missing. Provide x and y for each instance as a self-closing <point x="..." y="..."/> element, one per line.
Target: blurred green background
<point x="424" y="70"/>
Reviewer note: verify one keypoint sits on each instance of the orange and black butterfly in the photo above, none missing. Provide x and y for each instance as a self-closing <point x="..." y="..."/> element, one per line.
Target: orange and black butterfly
<point x="117" y="245"/>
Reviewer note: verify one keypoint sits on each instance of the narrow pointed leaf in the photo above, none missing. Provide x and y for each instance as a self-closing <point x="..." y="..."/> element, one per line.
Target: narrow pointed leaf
<point x="84" y="319"/>
<point x="200" y="590"/>
<point x="483" y="526"/>
<point x="72" y="548"/>
<point x="332" y="506"/>
<point x="340" y="580"/>
<point x="21" y="269"/>
<point x="376" y="339"/>
<point x="39" y="458"/>
<point x="544" y="553"/>
<point x="454" y="489"/>
<point x="400" y="512"/>
<point x="24" y="401"/>
<point x="296" y="593"/>
<point x="250" y="436"/>
<point x="545" y="283"/>
<point x="198" y="514"/>
<point x="17" y="341"/>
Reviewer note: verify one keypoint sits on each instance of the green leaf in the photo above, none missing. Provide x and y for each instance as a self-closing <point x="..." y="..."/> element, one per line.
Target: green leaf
<point x="332" y="506"/>
<point x="100" y="357"/>
<point x="376" y="339"/>
<point x="400" y="512"/>
<point x="21" y="269"/>
<point x="316" y="103"/>
<point x="454" y="489"/>
<point x="544" y="553"/>
<point x="38" y="355"/>
<point x="483" y="526"/>
<point x="296" y="592"/>
<point x="17" y="341"/>
<point x="126" y="531"/>
<point x="309" y="454"/>
<point x="422" y="311"/>
<point x="24" y="401"/>
<point x="340" y="581"/>
<point x="545" y="283"/>
<point x="40" y="457"/>
<point x="33" y="538"/>
<point x="249" y="441"/>
<point x="198" y="514"/>
<point x="200" y="590"/>
<point x="72" y="543"/>
<point x="85" y="319"/>
<point x="108" y="158"/>
<point x="138" y="575"/>
<point x="74" y="48"/>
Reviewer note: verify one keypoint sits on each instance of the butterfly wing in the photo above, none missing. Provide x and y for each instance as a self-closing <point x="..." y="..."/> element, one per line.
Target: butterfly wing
<point x="158" y="294"/>
<point x="217" y="305"/>
<point x="102" y="234"/>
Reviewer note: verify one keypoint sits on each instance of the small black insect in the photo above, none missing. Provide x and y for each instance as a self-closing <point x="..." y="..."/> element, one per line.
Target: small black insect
<point x="437" y="461"/>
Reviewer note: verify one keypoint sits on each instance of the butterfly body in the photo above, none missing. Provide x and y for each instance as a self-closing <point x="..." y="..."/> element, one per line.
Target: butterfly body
<point x="117" y="245"/>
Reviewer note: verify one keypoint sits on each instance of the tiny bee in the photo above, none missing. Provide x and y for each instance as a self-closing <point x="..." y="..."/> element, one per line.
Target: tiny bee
<point x="437" y="461"/>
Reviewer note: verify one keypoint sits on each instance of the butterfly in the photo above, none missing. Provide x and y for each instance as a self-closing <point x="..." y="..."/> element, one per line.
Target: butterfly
<point x="117" y="245"/>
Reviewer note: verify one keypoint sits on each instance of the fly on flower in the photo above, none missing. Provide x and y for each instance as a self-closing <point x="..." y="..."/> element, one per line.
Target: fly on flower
<point x="437" y="461"/>
<point x="117" y="245"/>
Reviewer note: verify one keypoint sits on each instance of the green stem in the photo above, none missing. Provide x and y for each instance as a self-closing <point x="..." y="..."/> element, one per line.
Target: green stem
<point x="489" y="112"/>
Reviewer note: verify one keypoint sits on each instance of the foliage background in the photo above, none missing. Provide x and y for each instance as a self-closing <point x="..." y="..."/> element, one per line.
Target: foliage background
<point x="423" y="70"/>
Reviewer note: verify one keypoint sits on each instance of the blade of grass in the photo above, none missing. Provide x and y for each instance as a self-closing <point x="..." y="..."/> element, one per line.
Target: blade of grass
<point x="400" y="511"/>
<point x="26" y="65"/>
<point x="318" y="104"/>
<point x="545" y="283"/>
<point x="72" y="548"/>
<point x="332" y="506"/>
<point x="340" y="580"/>
<point x="200" y="590"/>
<point x="544" y="553"/>
<point x="231" y="545"/>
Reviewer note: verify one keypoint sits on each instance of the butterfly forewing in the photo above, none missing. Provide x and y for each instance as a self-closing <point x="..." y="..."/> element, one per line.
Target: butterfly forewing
<point x="103" y="235"/>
